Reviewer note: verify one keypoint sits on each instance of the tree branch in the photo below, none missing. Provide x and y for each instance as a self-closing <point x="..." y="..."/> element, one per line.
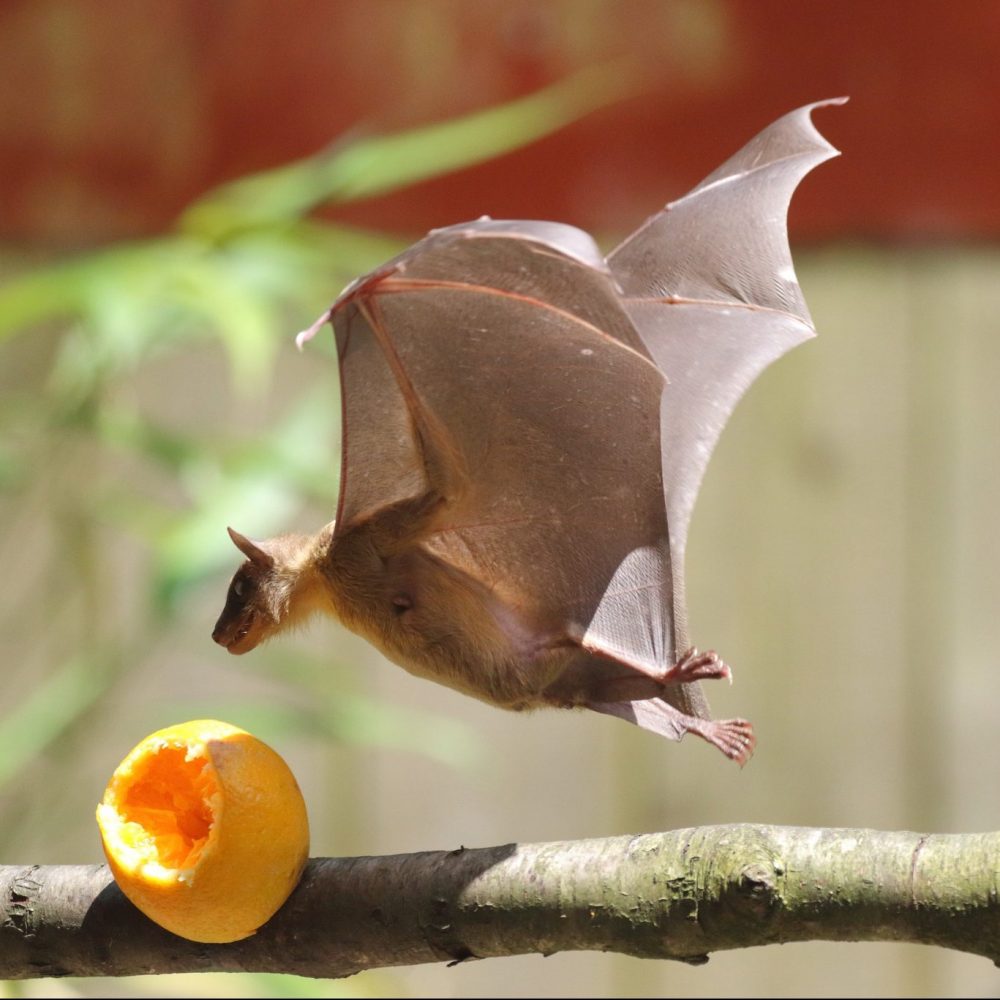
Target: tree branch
<point x="678" y="895"/>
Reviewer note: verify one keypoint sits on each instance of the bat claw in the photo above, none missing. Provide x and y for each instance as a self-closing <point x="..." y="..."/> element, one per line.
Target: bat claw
<point x="734" y="737"/>
<point x="303" y="336"/>
<point x="696" y="666"/>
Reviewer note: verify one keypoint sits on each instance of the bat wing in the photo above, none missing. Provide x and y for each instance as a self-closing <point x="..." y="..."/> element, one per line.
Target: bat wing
<point x="710" y="286"/>
<point x="493" y="365"/>
<point x="549" y="415"/>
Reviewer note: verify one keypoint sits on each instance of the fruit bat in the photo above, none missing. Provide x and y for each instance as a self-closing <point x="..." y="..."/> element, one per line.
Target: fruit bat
<point x="526" y="424"/>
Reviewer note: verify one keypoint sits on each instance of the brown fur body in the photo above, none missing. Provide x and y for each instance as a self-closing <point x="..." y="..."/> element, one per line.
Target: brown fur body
<point x="423" y="615"/>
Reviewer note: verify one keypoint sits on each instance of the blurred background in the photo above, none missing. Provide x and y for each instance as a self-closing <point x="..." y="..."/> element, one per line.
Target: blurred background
<point x="184" y="185"/>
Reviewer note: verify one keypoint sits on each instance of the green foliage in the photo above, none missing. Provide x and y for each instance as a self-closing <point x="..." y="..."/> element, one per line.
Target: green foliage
<point x="116" y="499"/>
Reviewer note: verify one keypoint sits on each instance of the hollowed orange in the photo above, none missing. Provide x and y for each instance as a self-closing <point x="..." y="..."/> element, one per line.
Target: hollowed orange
<point x="205" y="830"/>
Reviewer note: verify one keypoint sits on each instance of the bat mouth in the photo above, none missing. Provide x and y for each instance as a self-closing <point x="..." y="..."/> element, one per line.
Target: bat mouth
<point x="238" y="644"/>
<point x="236" y="639"/>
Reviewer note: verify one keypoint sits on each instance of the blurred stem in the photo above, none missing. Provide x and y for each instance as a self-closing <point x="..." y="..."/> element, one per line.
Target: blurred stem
<point x="49" y="712"/>
<point x="931" y="475"/>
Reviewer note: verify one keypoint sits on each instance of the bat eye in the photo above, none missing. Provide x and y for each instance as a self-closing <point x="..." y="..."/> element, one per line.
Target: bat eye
<point x="238" y="588"/>
<point x="401" y="603"/>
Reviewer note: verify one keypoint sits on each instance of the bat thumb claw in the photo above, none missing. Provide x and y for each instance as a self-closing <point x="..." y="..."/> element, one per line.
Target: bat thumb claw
<point x="304" y="336"/>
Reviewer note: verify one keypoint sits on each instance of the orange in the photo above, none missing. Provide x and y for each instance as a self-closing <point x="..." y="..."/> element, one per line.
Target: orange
<point x="205" y="830"/>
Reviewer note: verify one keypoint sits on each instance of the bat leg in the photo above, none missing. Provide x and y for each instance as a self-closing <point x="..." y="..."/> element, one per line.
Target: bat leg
<point x="690" y="667"/>
<point x="734" y="737"/>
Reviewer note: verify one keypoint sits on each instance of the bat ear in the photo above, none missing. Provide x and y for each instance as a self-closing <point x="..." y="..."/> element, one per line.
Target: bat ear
<point x="254" y="551"/>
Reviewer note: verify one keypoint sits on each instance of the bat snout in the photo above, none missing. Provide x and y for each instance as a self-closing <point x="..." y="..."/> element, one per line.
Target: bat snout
<point x="233" y="635"/>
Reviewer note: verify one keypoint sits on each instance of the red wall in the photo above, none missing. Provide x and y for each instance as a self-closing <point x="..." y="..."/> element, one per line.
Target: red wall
<point x="115" y="113"/>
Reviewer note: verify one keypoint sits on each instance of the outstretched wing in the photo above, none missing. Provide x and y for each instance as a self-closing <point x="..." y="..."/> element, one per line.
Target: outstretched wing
<point x="547" y="416"/>
<point x="710" y="286"/>
<point x="493" y="365"/>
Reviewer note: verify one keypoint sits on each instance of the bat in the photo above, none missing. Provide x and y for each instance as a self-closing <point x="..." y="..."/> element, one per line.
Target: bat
<point x="526" y="424"/>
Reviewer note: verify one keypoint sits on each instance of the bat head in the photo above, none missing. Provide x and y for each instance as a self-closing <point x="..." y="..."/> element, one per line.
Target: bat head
<point x="268" y="592"/>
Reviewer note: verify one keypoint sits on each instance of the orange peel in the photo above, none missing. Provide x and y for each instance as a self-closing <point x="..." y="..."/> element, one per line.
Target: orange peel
<point x="205" y="830"/>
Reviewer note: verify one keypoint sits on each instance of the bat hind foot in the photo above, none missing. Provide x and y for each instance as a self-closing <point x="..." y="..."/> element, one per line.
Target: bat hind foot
<point x="734" y="737"/>
<point x="695" y="666"/>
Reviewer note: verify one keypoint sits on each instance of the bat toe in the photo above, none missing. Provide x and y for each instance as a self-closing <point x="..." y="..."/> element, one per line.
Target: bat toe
<point x="734" y="737"/>
<point x="696" y="666"/>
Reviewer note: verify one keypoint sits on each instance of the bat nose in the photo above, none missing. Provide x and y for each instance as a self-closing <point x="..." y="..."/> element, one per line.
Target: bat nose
<point x="231" y="633"/>
<point x="221" y="634"/>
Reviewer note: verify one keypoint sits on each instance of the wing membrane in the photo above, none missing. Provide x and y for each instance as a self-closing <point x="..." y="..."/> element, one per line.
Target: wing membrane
<point x="536" y="408"/>
<point x="710" y="286"/>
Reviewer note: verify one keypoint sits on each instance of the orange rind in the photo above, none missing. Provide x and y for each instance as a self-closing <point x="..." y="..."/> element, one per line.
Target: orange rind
<point x="205" y="830"/>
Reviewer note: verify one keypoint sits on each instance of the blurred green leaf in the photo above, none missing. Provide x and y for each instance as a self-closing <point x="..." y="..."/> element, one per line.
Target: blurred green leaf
<point x="44" y="294"/>
<point x="241" y="313"/>
<point x="124" y="428"/>
<point x="11" y="467"/>
<point x="360" y="168"/>
<point x="257" y="488"/>
<point x="48" y="711"/>
<point x="187" y="551"/>
<point x="357" y="719"/>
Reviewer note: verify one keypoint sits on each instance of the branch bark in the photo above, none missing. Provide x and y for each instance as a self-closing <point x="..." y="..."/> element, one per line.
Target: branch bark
<point x="677" y="895"/>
